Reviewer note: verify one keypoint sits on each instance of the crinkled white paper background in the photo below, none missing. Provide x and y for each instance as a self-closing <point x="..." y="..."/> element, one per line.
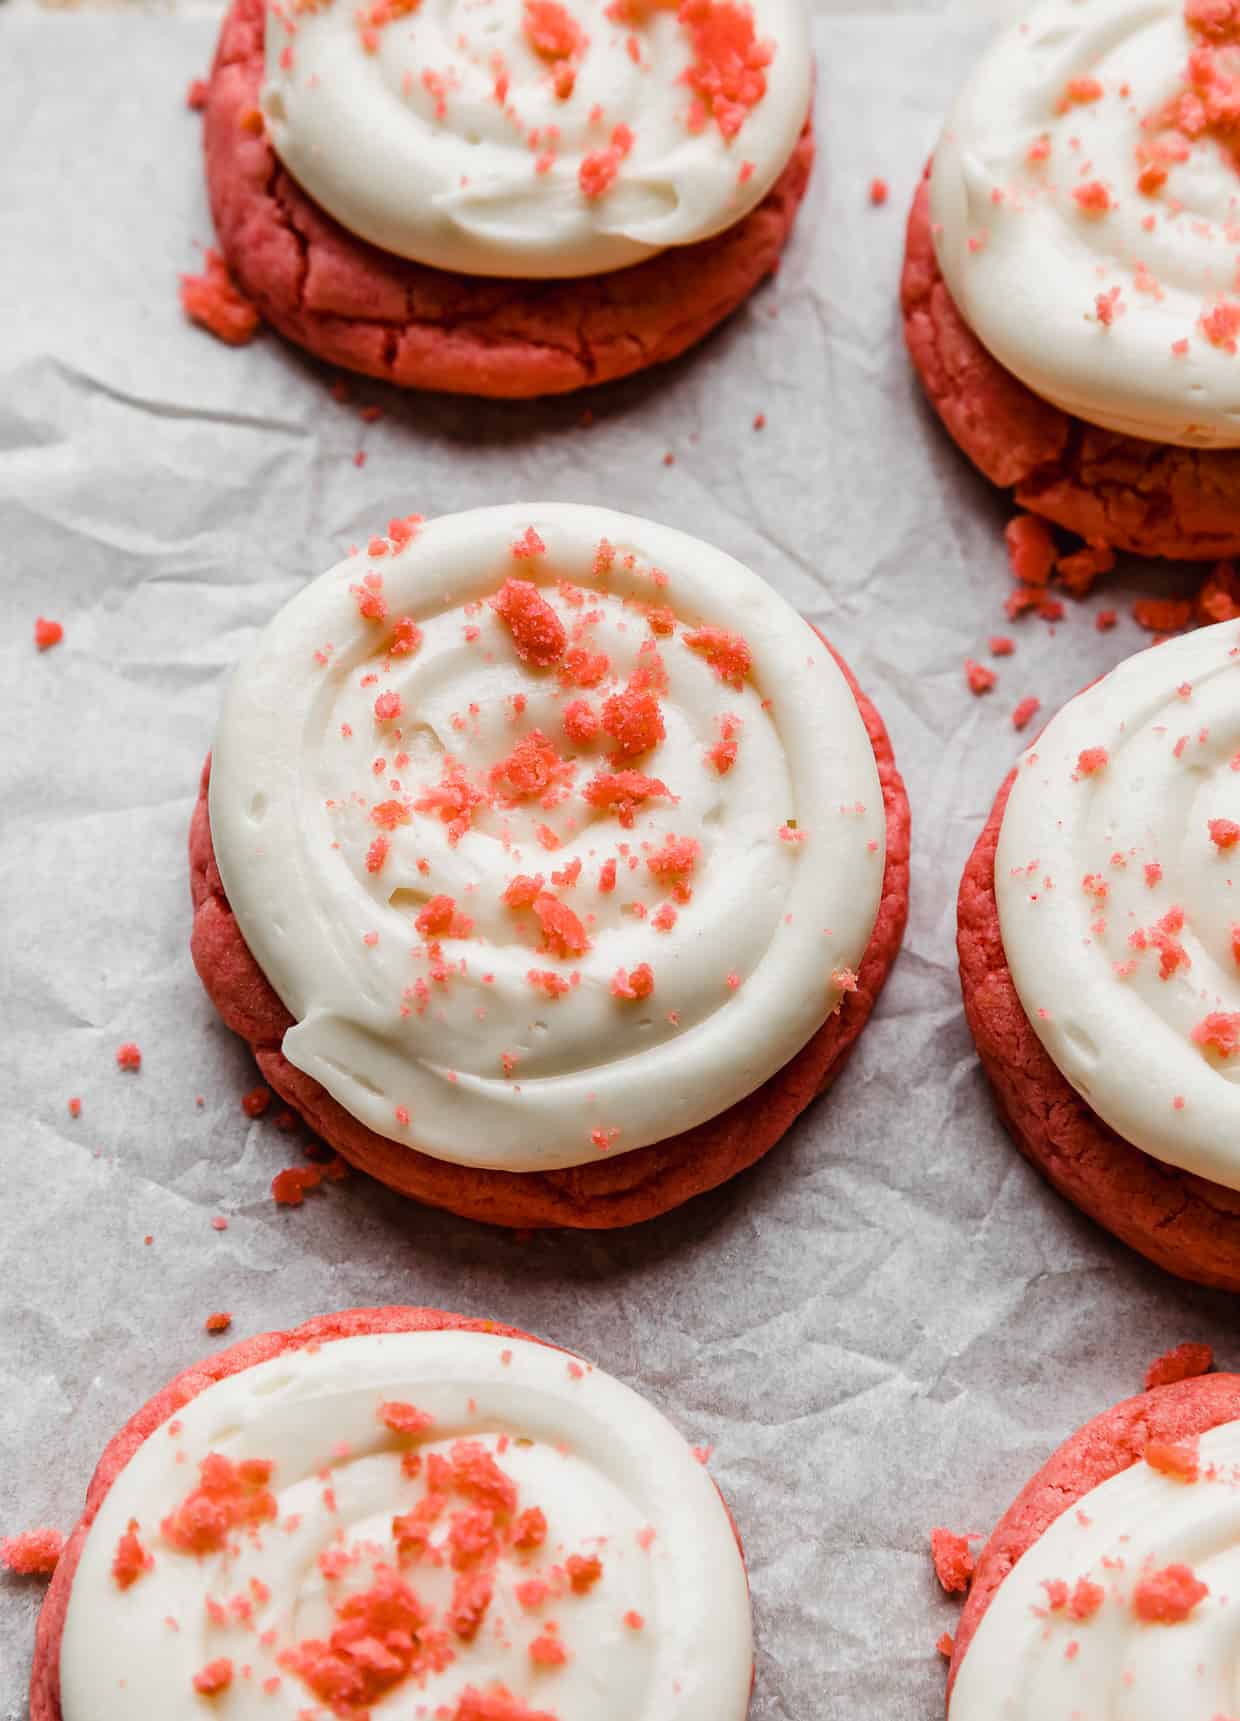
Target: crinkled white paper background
<point x="886" y="1325"/>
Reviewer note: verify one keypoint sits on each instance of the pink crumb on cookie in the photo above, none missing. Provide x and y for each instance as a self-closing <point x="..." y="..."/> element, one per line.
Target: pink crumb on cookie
<point x="32" y="1553"/>
<point x="1092" y="198"/>
<point x="597" y="173"/>
<point x="1185" y="1362"/>
<point x="214" y="1678"/>
<point x="1178" y="1459"/>
<point x="953" y="1563"/>
<point x="497" y="1704"/>
<point x="727" y="653"/>
<point x="130" y="1560"/>
<point x="47" y="633"/>
<point x="637" y="983"/>
<point x="634" y="723"/>
<point x="727" y="75"/>
<point x="1168" y="1597"/>
<point x="1090" y="761"/>
<point x="1224" y="833"/>
<point x="1218" y="1032"/>
<point x="622" y="792"/>
<point x="538" y="634"/>
<point x="216" y="303"/>
<point x="580" y="720"/>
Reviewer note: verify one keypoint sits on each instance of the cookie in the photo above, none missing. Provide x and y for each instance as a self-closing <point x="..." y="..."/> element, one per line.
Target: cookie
<point x="1106" y="1583"/>
<point x="1094" y="919"/>
<point x="642" y="851"/>
<point x="504" y="325"/>
<point x="1061" y="301"/>
<point x="398" y="1500"/>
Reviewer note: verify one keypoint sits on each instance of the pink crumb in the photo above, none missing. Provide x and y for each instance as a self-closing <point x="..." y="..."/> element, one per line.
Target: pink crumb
<point x="47" y="633"/>
<point x="32" y="1553"/>
<point x="1031" y="549"/>
<point x="214" y="301"/>
<point x="1185" y="1362"/>
<point x="953" y="1563"/>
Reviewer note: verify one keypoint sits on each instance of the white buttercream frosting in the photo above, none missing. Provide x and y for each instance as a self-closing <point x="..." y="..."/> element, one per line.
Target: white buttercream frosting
<point x="1073" y="1632"/>
<point x="658" y="1631"/>
<point x="1118" y="882"/>
<point x="1086" y="209"/>
<point x="533" y="138"/>
<point x="665" y="966"/>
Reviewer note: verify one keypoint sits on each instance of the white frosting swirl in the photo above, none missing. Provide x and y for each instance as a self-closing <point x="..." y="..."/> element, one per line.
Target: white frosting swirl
<point x="447" y="1038"/>
<point x="1086" y="212"/>
<point x="660" y="1633"/>
<point x="1119" y="898"/>
<point x="1033" y="1660"/>
<point x="532" y="138"/>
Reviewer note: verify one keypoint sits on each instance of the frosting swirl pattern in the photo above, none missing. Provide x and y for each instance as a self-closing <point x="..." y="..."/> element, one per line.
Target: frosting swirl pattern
<point x="534" y="138"/>
<point x="411" y="1524"/>
<point x="1117" y="875"/>
<point x="1126" y="1606"/>
<point x="558" y="832"/>
<point x="1086" y="207"/>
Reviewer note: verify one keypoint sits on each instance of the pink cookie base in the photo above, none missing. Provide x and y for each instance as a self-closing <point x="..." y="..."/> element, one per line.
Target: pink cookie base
<point x="1110" y="1443"/>
<point x="1183" y="1223"/>
<point x="1147" y="497"/>
<point x="618" y="1190"/>
<point x="357" y="306"/>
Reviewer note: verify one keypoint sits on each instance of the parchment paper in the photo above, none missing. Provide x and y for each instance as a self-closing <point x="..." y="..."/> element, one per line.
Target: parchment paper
<point x="891" y="1321"/>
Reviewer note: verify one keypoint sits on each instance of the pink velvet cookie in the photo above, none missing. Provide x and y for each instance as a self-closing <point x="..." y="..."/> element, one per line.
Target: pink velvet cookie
<point x="1107" y="1574"/>
<point x="1093" y="918"/>
<point x="524" y="211"/>
<point x="1061" y="303"/>
<point x="590" y="933"/>
<point x="389" y="1501"/>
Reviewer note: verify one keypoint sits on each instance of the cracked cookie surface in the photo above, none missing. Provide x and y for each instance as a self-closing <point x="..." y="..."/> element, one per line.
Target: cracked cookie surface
<point x="1150" y="498"/>
<point x="605" y="1193"/>
<point x="406" y="323"/>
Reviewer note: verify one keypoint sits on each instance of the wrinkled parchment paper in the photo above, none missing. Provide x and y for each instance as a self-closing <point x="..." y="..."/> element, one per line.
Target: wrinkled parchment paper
<point x="891" y="1321"/>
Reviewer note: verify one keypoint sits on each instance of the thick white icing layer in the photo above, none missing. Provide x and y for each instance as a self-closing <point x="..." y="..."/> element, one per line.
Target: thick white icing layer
<point x="662" y="1634"/>
<point x="1027" y="264"/>
<point x="456" y="134"/>
<point x="1119" y="908"/>
<point x="1030" y="1661"/>
<point x="452" y="1048"/>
